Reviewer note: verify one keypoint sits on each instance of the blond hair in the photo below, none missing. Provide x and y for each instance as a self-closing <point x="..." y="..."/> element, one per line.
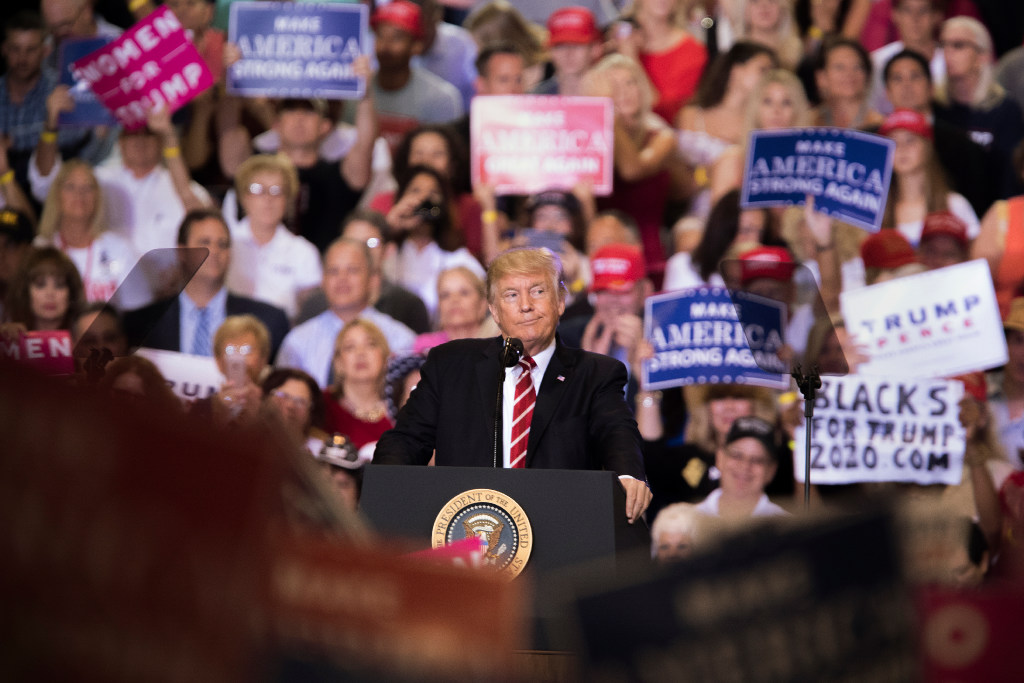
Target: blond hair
<point x="525" y="262"/>
<point x="259" y="163"/>
<point x="236" y="325"/>
<point x="49" y="222"/>
<point x="596" y="81"/>
<point x="377" y="338"/>
<point x="795" y="90"/>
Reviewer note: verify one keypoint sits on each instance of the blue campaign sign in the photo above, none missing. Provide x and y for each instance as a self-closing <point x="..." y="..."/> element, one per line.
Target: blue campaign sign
<point x="699" y="338"/>
<point x="88" y="111"/>
<point x="846" y="171"/>
<point x="297" y="50"/>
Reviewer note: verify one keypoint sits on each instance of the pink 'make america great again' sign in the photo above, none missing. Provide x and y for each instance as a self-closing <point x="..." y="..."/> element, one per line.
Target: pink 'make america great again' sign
<point x="151" y="66"/>
<point x="523" y="144"/>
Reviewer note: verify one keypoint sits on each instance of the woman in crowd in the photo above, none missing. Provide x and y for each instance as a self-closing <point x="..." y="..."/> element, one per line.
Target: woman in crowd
<point x="355" y="405"/>
<point x="402" y="376"/>
<point x="428" y="242"/>
<point x="295" y="397"/>
<point x="440" y="148"/>
<point x="241" y="349"/>
<point x="918" y="186"/>
<point x="461" y="308"/>
<point x="269" y="262"/>
<point x="672" y="58"/>
<point x="729" y="232"/>
<point x="715" y="121"/>
<point x="687" y="472"/>
<point x="747" y="461"/>
<point x="674" y="533"/>
<point x="644" y="151"/>
<point x="769" y="23"/>
<point x="73" y="221"/>
<point x="777" y="102"/>
<point x="843" y="77"/>
<point x="45" y="294"/>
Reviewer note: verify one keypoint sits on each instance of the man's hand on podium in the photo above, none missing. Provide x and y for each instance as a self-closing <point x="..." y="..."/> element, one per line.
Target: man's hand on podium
<point x="638" y="497"/>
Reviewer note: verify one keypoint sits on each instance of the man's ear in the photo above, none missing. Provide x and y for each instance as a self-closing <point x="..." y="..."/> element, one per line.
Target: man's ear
<point x="417" y="47"/>
<point x="325" y="126"/>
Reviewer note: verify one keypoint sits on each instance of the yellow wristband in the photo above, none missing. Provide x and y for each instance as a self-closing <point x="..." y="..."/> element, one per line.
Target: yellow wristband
<point x="48" y="136"/>
<point x="136" y="4"/>
<point x="489" y="216"/>
<point x="6" y="178"/>
<point x="172" y="152"/>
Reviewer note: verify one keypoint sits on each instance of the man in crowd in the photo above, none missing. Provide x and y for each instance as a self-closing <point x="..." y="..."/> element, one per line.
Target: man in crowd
<point x="916" y="22"/>
<point x="616" y="327"/>
<point x="974" y="102"/>
<point x="449" y="51"/>
<point x="575" y="43"/>
<point x="406" y="95"/>
<point x="24" y="89"/>
<point x="562" y="408"/>
<point x="186" y="323"/>
<point x="348" y="282"/>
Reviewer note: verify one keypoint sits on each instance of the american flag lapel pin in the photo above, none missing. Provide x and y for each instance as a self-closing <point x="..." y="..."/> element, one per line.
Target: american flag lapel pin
<point x="561" y="378"/>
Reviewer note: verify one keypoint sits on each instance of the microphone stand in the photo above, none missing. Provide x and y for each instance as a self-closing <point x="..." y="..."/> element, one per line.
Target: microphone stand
<point x="511" y="352"/>
<point x="809" y="385"/>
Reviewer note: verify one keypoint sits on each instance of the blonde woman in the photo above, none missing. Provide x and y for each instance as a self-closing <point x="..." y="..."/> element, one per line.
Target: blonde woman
<point x="672" y="57"/>
<point x="355" y="403"/>
<point x="72" y="221"/>
<point x="268" y="262"/>
<point x="645" y="150"/>
<point x="769" y="23"/>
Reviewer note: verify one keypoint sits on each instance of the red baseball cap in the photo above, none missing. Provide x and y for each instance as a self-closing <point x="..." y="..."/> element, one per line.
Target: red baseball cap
<point x="771" y="262"/>
<point x="887" y="249"/>
<point x="945" y="223"/>
<point x="617" y="267"/>
<point x="906" y="119"/>
<point x="572" y="25"/>
<point x="401" y="14"/>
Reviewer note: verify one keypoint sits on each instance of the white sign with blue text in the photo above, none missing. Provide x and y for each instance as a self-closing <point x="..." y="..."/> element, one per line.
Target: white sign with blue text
<point x="939" y="323"/>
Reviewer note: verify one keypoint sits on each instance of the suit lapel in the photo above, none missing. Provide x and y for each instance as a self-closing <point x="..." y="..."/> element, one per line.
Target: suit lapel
<point x="556" y="379"/>
<point x="487" y="366"/>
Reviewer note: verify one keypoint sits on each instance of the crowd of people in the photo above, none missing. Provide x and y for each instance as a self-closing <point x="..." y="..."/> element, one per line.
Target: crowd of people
<point x="345" y="239"/>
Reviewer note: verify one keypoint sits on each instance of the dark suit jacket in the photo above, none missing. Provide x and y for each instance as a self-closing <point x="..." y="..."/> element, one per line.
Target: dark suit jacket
<point x="580" y="421"/>
<point x="158" y="326"/>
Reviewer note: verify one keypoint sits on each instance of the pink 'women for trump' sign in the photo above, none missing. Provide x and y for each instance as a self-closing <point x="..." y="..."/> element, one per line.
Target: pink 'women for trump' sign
<point x="153" y="65"/>
<point x="523" y="144"/>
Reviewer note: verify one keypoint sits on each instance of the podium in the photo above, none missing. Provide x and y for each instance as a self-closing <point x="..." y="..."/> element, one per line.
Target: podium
<point x="576" y="517"/>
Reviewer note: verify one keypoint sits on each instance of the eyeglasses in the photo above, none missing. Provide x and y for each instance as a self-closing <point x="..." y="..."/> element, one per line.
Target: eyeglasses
<point x="297" y="401"/>
<point x="260" y="189"/>
<point x="237" y="350"/>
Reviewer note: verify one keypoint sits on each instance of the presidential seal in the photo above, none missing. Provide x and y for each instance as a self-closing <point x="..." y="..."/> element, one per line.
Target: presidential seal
<point x="497" y="520"/>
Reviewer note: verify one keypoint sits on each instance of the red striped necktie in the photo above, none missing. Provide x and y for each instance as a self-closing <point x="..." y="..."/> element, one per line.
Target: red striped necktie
<point x="522" y="413"/>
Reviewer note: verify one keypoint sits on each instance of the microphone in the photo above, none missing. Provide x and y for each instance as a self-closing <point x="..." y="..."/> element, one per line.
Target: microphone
<point x="512" y="352"/>
<point x="510" y="355"/>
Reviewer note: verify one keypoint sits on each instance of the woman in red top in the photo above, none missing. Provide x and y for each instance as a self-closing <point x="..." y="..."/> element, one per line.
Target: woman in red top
<point x="355" y="402"/>
<point x="672" y="58"/>
<point x="645" y="152"/>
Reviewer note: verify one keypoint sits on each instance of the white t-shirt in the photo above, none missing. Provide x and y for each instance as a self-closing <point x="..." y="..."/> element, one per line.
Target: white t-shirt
<point x="275" y="272"/>
<point x="103" y="265"/>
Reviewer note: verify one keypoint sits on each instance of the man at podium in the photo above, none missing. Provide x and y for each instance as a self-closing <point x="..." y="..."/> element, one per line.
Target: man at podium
<point x="561" y="408"/>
